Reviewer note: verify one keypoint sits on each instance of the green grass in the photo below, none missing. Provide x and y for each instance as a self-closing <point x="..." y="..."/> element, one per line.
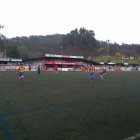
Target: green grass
<point x="65" y="106"/>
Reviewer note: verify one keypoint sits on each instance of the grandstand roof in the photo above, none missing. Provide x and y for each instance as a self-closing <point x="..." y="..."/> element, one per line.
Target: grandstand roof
<point x="64" y="56"/>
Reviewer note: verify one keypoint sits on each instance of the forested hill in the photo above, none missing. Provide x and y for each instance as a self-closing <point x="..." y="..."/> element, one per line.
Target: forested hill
<point x="77" y="42"/>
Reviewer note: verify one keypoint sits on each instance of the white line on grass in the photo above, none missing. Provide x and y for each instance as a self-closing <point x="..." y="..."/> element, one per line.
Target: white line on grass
<point x="132" y="137"/>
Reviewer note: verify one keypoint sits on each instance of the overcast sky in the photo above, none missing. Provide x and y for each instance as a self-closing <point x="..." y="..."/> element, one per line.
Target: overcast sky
<point x="114" y="20"/>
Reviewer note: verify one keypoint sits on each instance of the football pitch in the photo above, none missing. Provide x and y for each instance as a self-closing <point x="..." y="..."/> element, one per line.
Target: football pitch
<point x="65" y="106"/>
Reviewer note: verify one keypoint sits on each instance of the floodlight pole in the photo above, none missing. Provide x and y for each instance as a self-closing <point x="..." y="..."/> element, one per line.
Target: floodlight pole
<point x="107" y="49"/>
<point x="122" y="57"/>
<point x="62" y="50"/>
<point x="1" y="27"/>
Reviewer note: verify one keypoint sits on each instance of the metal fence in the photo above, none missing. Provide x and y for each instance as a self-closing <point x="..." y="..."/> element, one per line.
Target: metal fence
<point x="8" y="67"/>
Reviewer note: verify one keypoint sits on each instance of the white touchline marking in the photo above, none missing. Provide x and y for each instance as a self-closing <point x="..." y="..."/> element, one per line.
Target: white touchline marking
<point x="132" y="137"/>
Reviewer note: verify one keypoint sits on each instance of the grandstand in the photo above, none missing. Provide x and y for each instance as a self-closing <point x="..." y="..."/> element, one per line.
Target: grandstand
<point x="63" y="62"/>
<point x="9" y="64"/>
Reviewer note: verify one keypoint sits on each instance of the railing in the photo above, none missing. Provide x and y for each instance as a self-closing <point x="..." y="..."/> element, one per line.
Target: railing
<point x="7" y="67"/>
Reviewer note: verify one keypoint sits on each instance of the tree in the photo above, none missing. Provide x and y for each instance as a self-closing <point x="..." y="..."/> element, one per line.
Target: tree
<point x="2" y="40"/>
<point x="23" y="52"/>
<point x="118" y="54"/>
<point x="12" y="52"/>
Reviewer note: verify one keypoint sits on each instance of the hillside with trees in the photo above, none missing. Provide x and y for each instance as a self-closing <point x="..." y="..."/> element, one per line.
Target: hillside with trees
<point x="77" y="42"/>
